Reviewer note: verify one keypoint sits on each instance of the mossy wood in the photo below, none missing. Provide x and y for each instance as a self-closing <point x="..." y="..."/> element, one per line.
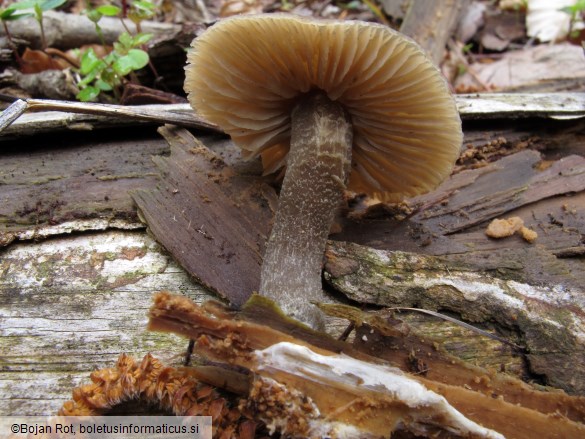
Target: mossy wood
<point x="72" y="304"/>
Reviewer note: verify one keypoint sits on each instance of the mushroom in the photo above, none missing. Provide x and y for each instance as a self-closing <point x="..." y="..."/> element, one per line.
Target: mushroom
<point x="322" y="98"/>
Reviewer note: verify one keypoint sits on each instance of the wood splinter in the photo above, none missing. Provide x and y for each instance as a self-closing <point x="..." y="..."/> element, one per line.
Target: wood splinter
<point x="327" y="388"/>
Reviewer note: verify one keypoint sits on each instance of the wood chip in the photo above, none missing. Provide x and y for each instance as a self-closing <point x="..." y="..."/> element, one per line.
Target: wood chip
<point x="213" y="221"/>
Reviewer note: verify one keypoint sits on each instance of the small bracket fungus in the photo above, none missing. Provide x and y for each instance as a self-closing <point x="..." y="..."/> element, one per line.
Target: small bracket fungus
<point x="322" y="98"/>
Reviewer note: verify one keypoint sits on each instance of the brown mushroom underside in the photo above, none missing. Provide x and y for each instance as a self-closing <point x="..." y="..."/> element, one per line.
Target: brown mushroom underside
<point x="247" y="73"/>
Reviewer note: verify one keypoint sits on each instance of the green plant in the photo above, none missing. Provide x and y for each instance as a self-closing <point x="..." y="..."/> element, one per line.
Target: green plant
<point x="139" y="11"/>
<point x="40" y="6"/>
<point x="576" y="12"/>
<point x="27" y="8"/>
<point x="107" y="74"/>
<point x="95" y="15"/>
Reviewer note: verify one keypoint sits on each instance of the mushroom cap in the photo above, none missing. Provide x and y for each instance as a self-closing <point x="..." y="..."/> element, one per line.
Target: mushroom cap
<point x="247" y="73"/>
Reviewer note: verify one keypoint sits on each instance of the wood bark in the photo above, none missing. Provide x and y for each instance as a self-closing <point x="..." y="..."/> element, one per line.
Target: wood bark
<point x="214" y="222"/>
<point x="81" y="183"/>
<point x="546" y="320"/>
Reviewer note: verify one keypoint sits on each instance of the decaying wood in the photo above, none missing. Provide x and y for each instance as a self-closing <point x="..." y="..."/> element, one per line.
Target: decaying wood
<point x="60" y="114"/>
<point x="37" y="351"/>
<point x="547" y="320"/>
<point x="71" y="305"/>
<point x="214" y="221"/>
<point x="341" y="398"/>
<point x="500" y="187"/>
<point x="521" y="105"/>
<point x="152" y="383"/>
<point x="52" y="84"/>
<point x="431" y="23"/>
<point x="81" y="184"/>
<point x="77" y="115"/>
<point x="451" y="220"/>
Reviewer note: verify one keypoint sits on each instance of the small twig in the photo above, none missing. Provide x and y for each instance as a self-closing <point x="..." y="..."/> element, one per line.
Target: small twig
<point x="189" y="352"/>
<point x="462" y="324"/>
<point x="12" y="44"/>
<point x="187" y="119"/>
<point x="12" y="113"/>
<point x="347" y="331"/>
<point x="64" y="56"/>
<point x="472" y="106"/>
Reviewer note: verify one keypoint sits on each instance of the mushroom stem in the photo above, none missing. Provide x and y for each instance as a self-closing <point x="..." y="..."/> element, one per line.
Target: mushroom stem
<point x="318" y="166"/>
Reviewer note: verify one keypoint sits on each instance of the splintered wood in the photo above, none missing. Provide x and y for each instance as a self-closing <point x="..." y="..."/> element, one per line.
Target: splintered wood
<point x="327" y="388"/>
<point x="197" y="188"/>
<point x="549" y="319"/>
<point x="213" y="221"/>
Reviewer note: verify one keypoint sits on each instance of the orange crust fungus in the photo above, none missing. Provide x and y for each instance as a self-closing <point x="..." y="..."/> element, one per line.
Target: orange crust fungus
<point x="171" y="389"/>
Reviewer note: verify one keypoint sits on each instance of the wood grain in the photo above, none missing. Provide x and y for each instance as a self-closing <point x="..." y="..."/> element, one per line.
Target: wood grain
<point x="71" y="305"/>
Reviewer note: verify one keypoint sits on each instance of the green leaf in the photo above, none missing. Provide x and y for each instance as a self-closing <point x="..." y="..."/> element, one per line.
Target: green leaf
<point x="119" y="49"/>
<point x="140" y="39"/>
<point x="144" y="6"/>
<point x="10" y="14"/>
<point x="25" y="4"/>
<point x="109" y="10"/>
<point x="125" y="40"/>
<point x="93" y="15"/>
<point x="6" y="12"/>
<point x="88" y="94"/>
<point x="88" y="79"/>
<point x="135" y="60"/>
<point x="89" y="61"/>
<point x="103" y="85"/>
<point x="574" y="9"/>
<point x="51" y="4"/>
<point x="141" y="10"/>
<point x="111" y="57"/>
<point x="139" y="58"/>
<point x="38" y="12"/>
<point x="109" y="76"/>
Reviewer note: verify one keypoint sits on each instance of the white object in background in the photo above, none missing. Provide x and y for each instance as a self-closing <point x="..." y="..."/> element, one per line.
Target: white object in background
<point x="546" y="20"/>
